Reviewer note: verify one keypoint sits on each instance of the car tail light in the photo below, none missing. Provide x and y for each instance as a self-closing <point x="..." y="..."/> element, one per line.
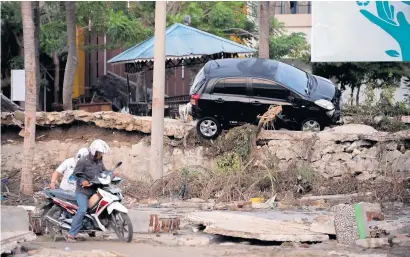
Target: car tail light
<point x="194" y="99"/>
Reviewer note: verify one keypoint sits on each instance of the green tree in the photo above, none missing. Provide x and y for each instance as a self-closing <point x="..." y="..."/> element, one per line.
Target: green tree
<point x="354" y="75"/>
<point x="283" y="44"/>
<point x="220" y="18"/>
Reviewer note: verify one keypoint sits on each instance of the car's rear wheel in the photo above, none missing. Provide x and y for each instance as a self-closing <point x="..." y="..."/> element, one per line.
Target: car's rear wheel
<point x="311" y="125"/>
<point x="208" y="127"/>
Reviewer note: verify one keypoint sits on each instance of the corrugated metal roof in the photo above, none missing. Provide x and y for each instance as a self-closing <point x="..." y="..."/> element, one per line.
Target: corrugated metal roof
<point x="182" y="41"/>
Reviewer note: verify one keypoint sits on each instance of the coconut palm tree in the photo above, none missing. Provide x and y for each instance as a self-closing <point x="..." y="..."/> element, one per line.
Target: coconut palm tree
<point x="72" y="56"/>
<point x="30" y="66"/>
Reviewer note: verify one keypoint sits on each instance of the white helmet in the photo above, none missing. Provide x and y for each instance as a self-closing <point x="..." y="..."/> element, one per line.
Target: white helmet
<point x="81" y="153"/>
<point x="99" y="145"/>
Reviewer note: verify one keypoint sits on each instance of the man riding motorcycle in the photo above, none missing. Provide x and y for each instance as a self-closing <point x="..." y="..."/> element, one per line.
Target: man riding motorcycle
<point x="86" y="169"/>
<point x="66" y="168"/>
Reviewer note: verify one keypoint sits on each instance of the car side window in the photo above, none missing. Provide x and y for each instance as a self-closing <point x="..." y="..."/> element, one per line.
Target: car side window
<point x="231" y="86"/>
<point x="269" y="89"/>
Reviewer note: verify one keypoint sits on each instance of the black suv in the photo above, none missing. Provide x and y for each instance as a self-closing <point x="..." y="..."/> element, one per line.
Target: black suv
<point x="230" y="92"/>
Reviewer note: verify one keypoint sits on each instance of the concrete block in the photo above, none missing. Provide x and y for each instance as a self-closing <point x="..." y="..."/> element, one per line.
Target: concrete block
<point x="376" y="207"/>
<point x="14" y="219"/>
<point x="373" y="242"/>
<point x="361" y="221"/>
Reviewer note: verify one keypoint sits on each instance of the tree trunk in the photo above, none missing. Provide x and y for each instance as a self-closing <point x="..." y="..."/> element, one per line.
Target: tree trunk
<point x="271" y="11"/>
<point x="351" y="96"/>
<point x="263" y="29"/>
<point x="56" y="62"/>
<point x="71" y="57"/>
<point x="36" y="18"/>
<point x="358" y="95"/>
<point x="26" y="184"/>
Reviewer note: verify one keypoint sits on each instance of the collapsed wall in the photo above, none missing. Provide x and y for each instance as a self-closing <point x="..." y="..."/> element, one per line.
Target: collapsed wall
<point x="351" y="149"/>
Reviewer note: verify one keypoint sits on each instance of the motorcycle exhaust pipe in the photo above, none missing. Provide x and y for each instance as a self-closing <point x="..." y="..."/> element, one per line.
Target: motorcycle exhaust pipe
<point x="58" y="223"/>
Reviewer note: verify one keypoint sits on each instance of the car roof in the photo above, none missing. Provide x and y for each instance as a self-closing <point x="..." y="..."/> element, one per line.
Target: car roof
<point x="241" y="67"/>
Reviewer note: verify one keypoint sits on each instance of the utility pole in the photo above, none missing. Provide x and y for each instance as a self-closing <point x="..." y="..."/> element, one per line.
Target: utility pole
<point x="157" y="125"/>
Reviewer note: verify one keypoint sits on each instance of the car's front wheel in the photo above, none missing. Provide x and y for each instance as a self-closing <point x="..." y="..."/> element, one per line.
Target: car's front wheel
<point x="208" y="128"/>
<point x="312" y="125"/>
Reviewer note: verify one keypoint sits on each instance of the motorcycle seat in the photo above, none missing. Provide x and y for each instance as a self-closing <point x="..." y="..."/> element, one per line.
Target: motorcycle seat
<point x="65" y="195"/>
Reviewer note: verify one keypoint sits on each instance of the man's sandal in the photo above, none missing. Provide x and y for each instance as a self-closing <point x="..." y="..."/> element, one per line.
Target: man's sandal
<point x="70" y="239"/>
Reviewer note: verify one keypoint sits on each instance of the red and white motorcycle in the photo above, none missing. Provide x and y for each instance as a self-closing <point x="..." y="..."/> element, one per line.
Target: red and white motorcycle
<point x="105" y="211"/>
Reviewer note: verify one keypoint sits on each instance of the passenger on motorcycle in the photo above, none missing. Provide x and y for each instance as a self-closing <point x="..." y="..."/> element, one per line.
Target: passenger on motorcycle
<point x="86" y="169"/>
<point x="66" y="168"/>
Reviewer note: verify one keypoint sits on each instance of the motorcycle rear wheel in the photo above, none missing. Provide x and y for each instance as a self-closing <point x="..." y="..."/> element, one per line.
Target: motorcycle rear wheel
<point x="52" y="229"/>
<point x="122" y="226"/>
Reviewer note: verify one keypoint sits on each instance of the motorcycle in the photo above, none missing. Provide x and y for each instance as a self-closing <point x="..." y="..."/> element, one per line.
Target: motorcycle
<point x="105" y="211"/>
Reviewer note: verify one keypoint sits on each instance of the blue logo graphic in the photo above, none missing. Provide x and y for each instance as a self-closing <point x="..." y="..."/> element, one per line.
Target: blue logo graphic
<point x="396" y="25"/>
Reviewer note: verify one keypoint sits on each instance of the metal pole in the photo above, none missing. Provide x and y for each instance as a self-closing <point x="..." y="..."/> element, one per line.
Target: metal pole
<point x="105" y="54"/>
<point x="128" y="91"/>
<point x="157" y="126"/>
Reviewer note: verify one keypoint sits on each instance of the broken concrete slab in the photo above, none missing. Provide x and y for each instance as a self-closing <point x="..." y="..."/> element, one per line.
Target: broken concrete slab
<point x="251" y="227"/>
<point x="14" y="219"/>
<point x="113" y="120"/>
<point x="324" y="228"/>
<point x="12" y="239"/>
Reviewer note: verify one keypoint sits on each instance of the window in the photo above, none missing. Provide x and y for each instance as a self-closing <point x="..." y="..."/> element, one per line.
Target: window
<point x="293" y="7"/>
<point x="198" y="82"/>
<point x="269" y="89"/>
<point x="231" y="86"/>
<point x="292" y="77"/>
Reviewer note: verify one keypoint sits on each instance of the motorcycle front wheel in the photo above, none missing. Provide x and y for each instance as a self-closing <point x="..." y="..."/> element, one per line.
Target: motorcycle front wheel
<point x="122" y="226"/>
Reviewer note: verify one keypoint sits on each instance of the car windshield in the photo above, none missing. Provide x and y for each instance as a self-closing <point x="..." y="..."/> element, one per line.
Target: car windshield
<point x="198" y="81"/>
<point x="293" y="78"/>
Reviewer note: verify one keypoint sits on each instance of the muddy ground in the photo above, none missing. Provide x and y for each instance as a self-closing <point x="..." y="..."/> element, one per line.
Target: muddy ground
<point x="149" y="245"/>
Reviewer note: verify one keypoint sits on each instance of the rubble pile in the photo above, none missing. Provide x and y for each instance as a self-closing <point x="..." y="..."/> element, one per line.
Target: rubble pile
<point x="112" y="120"/>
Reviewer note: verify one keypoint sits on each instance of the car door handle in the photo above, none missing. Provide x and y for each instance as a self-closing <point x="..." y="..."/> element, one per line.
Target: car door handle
<point x="256" y="103"/>
<point x="220" y="100"/>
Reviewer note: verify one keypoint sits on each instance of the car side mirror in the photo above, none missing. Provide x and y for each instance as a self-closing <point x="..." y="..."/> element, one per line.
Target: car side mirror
<point x="291" y="98"/>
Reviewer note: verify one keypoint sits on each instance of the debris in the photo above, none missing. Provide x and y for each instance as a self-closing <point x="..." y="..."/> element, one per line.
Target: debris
<point x="193" y="241"/>
<point x="257" y="200"/>
<point x="260" y="206"/>
<point x="157" y="224"/>
<point x="332" y="197"/>
<point x="251" y="227"/>
<point x="373" y="242"/>
<point x="374" y="216"/>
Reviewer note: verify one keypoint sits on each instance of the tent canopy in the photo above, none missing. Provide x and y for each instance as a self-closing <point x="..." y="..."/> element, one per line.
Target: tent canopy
<point x="181" y="43"/>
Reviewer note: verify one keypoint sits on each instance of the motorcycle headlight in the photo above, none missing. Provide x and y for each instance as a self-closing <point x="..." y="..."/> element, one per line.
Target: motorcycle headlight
<point x="325" y="104"/>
